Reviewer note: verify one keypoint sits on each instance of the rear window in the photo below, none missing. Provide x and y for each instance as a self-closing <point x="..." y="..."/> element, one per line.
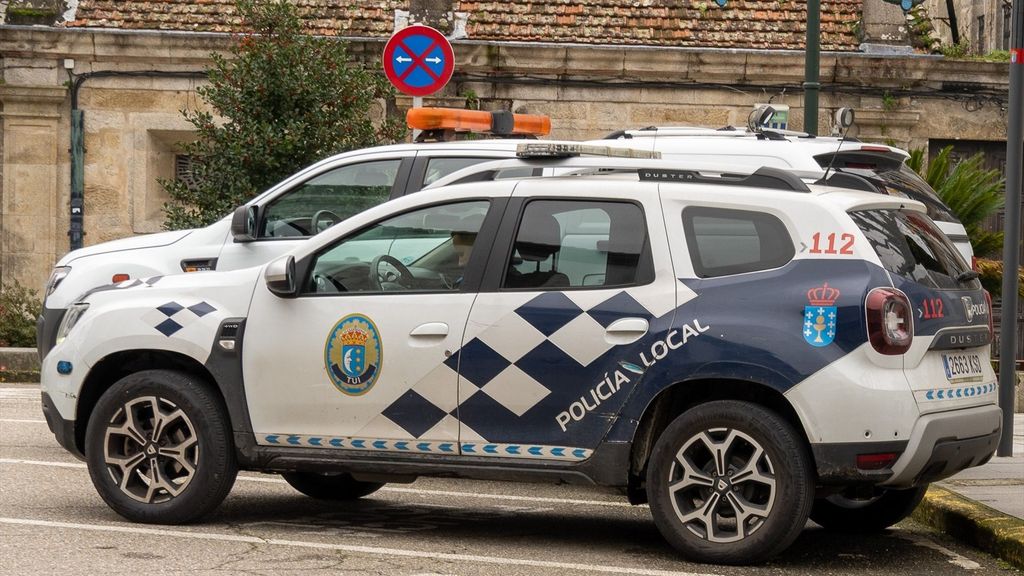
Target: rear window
<point x="905" y="183"/>
<point x="910" y="245"/>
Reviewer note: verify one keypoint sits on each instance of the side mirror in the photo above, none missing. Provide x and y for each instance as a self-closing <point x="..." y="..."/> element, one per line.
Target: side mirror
<point x="280" y="277"/>
<point x="243" y="224"/>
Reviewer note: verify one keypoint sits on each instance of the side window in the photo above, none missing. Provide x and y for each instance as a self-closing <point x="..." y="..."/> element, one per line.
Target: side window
<point x="426" y="250"/>
<point x="724" y="242"/>
<point x="576" y="244"/>
<point x="329" y="198"/>
<point x="440" y="167"/>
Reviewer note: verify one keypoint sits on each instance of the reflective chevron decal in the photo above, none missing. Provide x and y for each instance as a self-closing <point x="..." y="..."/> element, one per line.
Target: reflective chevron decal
<point x="957" y="393"/>
<point x="525" y="451"/>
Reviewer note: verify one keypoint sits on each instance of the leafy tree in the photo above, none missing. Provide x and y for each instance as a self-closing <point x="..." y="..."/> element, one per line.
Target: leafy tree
<point x="286" y="100"/>
<point x="972" y="194"/>
<point x="19" y="308"/>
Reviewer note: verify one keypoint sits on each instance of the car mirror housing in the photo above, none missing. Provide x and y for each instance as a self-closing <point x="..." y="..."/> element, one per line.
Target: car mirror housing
<point x="243" y="224"/>
<point x="280" y="277"/>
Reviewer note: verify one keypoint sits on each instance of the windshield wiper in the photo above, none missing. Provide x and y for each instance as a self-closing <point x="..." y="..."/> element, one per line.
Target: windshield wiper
<point x="967" y="276"/>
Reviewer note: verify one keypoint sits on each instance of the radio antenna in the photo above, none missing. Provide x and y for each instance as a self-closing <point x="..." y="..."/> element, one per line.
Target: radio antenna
<point x="844" y="118"/>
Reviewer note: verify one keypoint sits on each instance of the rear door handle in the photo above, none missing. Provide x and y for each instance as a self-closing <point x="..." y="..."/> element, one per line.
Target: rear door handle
<point x="626" y="330"/>
<point x="430" y="329"/>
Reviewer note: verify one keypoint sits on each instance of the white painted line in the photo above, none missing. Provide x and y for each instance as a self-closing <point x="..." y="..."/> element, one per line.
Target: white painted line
<point x="41" y="463"/>
<point x="954" y="558"/>
<point x="392" y="489"/>
<point x="15" y="420"/>
<point x="367" y="550"/>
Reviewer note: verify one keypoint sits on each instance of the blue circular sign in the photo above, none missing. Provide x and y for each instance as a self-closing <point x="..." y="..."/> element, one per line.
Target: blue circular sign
<point x="418" y="60"/>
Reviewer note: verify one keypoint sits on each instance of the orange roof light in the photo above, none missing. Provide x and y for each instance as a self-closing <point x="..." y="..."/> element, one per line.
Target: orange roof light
<point x="498" y="122"/>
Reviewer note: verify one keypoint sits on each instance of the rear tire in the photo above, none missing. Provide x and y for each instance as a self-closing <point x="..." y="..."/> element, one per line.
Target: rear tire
<point x="730" y="482"/>
<point x="159" y="449"/>
<point x="337" y="487"/>
<point x="844" y="514"/>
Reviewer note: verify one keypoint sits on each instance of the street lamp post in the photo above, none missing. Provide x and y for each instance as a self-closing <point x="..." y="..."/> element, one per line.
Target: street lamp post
<point x="812" y="65"/>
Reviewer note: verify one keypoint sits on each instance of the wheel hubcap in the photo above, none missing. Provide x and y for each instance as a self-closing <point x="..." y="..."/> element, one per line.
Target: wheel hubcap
<point x="722" y="485"/>
<point x="151" y="449"/>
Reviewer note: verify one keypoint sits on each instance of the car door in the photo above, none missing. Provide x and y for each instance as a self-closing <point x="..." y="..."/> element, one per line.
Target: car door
<point x="316" y="203"/>
<point x="361" y="359"/>
<point x="581" y="297"/>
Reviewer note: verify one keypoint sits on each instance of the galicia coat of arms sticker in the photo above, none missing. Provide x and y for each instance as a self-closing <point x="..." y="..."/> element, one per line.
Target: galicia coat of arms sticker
<point x="353" y="354"/>
<point x="820" y="316"/>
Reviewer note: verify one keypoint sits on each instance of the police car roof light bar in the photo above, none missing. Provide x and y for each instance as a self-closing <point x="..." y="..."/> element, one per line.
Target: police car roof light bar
<point x="500" y="123"/>
<point x="565" y="150"/>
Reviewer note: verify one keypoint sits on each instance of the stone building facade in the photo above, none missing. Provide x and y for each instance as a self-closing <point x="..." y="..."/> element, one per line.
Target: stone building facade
<point x="134" y="81"/>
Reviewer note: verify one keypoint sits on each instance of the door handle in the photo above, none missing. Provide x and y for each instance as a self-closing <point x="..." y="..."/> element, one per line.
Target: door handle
<point x="430" y="329"/>
<point x="626" y="330"/>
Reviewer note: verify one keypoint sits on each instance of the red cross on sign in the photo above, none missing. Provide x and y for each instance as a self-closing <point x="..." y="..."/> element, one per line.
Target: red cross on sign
<point x="418" y="60"/>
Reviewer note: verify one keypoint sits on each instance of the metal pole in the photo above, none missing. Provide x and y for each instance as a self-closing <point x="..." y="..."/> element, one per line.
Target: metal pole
<point x="1011" y="241"/>
<point x="811" y="67"/>
<point x="76" y="230"/>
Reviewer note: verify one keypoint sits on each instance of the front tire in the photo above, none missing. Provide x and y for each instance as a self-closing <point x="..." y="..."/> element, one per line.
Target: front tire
<point x="842" y="513"/>
<point x="337" y="487"/>
<point x="730" y="482"/>
<point x="159" y="448"/>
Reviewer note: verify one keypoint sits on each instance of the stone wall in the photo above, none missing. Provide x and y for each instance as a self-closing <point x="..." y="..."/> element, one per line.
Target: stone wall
<point x="133" y="124"/>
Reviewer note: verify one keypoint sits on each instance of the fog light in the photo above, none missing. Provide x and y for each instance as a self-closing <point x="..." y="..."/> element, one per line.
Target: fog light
<point x="64" y="367"/>
<point x="876" y="461"/>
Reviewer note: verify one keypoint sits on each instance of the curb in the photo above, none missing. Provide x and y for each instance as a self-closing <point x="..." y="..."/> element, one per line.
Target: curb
<point x="973" y="523"/>
<point x="19" y="365"/>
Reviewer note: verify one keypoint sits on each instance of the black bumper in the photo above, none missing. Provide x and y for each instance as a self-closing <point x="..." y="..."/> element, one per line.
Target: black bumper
<point x="837" y="462"/>
<point x="46" y="330"/>
<point x="63" y="430"/>
<point x="951" y="456"/>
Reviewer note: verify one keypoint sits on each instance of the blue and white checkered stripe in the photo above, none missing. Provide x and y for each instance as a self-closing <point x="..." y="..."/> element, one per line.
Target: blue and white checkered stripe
<point x="956" y="393"/>
<point x="526" y="451"/>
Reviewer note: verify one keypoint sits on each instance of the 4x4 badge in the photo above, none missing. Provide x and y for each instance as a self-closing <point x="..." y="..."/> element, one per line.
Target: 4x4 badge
<point x="820" y="316"/>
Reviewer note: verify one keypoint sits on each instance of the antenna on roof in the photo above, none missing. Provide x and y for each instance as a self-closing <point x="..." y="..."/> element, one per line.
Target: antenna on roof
<point x="844" y="119"/>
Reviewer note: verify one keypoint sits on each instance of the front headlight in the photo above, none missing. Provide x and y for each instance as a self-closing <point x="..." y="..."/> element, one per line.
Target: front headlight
<point x="56" y="277"/>
<point x="71" y="318"/>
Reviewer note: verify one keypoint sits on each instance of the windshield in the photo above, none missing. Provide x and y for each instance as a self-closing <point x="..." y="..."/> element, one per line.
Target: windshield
<point x="910" y="245"/>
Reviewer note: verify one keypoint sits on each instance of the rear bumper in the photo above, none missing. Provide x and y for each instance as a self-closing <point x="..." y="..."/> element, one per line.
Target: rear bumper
<point x="944" y="443"/>
<point x="63" y="430"/>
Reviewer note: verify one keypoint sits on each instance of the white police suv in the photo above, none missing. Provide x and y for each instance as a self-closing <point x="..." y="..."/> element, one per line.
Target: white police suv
<point x="742" y="351"/>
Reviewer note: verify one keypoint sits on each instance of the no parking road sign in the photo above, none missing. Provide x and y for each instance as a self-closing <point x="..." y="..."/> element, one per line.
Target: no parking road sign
<point x="418" y="60"/>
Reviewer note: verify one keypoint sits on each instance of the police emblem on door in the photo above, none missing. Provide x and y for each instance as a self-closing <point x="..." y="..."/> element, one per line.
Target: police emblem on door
<point x="353" y="354"/>
<point x="820" y="316"/>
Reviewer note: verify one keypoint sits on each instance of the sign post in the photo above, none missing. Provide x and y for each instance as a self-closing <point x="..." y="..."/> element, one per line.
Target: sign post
<point x="1011" y="238"/>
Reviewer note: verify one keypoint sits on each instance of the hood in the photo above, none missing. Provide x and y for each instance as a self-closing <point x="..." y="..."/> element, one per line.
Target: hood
<point x="131" y="243"/>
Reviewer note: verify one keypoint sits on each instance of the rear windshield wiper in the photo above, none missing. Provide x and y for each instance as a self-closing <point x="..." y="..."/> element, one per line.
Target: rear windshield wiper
<point x="967" y="276"/>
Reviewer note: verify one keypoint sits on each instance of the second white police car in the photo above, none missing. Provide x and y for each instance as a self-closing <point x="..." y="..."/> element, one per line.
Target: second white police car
<point x="742" y="351"/>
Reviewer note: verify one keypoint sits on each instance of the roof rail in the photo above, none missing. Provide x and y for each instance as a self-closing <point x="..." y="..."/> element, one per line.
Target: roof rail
<point x="646" y="168"/>
<point x="763" y="177"/>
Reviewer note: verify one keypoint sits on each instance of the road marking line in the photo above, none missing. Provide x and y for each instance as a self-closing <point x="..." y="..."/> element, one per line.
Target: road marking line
<point x="396" y="490"/>
<point x="954" y="558"/>
<point x="367" y="550"/>
<point x="22" y="421"/>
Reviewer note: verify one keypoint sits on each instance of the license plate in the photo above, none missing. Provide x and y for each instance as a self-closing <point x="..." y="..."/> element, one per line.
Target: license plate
<point x="962" y="367"/>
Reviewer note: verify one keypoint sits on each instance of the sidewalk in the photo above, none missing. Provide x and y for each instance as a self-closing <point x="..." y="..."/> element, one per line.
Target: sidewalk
<point x="984" y="506"/>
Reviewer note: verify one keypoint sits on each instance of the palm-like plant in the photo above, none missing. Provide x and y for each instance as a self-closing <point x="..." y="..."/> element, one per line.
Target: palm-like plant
<point x="972" y="194"/>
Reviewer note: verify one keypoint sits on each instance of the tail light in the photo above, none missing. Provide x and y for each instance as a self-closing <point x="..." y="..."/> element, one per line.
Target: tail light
<point x="974" y="263"/>
<point x="991" y="327"/>
<point x="879" y="461"/>
<point x="890" y="321"/>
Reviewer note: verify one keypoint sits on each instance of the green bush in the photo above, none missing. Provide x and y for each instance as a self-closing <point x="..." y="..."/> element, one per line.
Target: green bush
<point x="279" y="101"/>
<point x="19" y="308"/>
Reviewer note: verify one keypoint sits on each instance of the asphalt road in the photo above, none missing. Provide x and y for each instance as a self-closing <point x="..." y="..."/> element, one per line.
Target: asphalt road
<point x="53" y="522"/>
